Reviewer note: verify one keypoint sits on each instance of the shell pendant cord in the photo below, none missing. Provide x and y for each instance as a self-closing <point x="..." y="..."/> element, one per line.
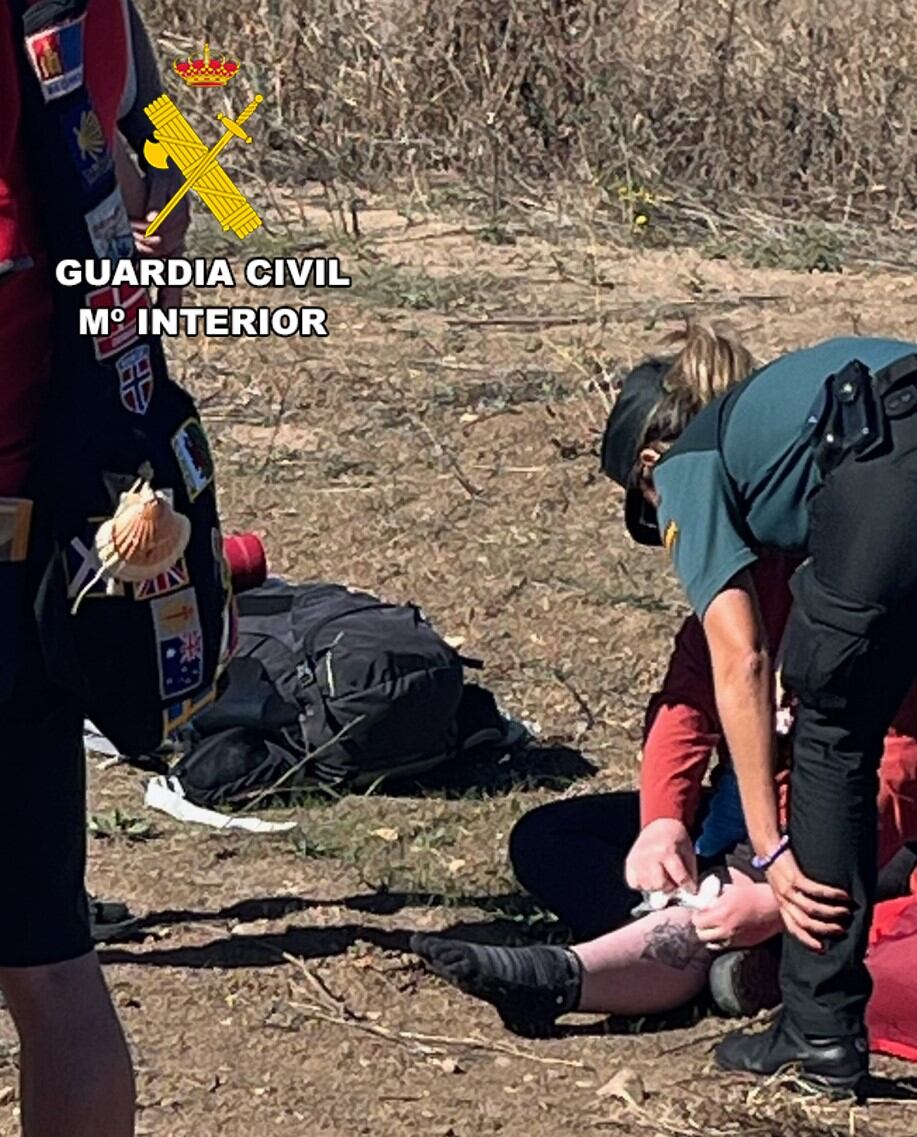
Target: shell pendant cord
<point x="144" y="538"/>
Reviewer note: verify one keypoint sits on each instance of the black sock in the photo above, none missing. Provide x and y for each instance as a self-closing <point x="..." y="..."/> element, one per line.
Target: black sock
<point x="529" y="986"/>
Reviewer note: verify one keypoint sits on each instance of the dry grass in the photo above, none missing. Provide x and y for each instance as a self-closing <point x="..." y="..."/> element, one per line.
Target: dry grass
<point x="808" y="104"/>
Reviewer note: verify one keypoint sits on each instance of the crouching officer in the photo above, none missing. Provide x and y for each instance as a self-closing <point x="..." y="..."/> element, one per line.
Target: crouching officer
<point x="814" y="454"/>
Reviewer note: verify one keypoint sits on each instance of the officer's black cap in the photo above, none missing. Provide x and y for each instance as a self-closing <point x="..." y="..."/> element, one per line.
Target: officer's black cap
<point x="639" y="396"/>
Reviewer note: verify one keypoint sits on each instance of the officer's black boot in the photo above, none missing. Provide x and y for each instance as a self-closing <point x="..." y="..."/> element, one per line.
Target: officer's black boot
<point x="836" y="1066"/>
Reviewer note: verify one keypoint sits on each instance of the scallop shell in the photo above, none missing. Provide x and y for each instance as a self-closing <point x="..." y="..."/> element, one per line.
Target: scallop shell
<point x="88" y="134"/>
<point x="144" y="538"/>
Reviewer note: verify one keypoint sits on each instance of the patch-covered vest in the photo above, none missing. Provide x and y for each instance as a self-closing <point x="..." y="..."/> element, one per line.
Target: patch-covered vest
<point x="141" y="657"/>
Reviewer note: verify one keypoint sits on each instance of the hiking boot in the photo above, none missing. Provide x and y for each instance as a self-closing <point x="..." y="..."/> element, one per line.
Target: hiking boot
<point x="746" y="981"/>
<point x="111" y="920"/>
<point x="837" y="1066"/>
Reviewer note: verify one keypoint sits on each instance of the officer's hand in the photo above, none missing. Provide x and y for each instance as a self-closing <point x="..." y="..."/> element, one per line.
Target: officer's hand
<point x="662" y="858"/>
<point x="810" y="911"/>
<point x="746" y="914"/>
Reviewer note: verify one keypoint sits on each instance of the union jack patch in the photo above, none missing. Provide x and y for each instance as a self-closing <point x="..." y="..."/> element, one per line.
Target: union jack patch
<point x="169" y="581"/>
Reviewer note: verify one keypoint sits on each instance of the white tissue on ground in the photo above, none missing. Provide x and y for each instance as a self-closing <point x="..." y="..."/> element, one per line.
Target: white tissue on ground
<point x="166" y="794"/>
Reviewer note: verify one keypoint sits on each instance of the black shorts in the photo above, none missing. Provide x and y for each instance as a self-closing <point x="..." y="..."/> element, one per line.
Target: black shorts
<point x="44" y="915"/>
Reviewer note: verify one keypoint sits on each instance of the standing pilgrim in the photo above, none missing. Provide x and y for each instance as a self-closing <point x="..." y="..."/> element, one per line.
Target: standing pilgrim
<point x="83" y="421"/>
<point x="814" y="454"/>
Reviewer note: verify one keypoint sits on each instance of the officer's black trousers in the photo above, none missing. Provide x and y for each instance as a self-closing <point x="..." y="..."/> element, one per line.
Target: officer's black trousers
<point x="851" y="654"/>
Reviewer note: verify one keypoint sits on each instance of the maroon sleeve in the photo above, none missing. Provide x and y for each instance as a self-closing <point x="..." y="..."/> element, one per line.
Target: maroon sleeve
<point x="682" y="728"/>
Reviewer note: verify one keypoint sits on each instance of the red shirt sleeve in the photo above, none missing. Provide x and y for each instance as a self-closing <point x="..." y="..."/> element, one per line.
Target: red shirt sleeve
<point x="682" y="723"/>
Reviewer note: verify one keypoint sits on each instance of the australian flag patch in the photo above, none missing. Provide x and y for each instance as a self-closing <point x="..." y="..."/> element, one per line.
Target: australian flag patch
<point x="180" y="643"/>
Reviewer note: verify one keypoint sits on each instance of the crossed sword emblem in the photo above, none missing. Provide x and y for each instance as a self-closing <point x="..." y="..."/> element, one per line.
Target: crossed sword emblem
<point x="174" y="138"/>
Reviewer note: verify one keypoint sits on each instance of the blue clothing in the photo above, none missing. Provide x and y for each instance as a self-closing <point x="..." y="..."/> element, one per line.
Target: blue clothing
<point x="724" y="825"/>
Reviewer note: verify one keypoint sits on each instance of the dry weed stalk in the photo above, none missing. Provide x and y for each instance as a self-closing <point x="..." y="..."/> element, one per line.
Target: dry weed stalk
<point x="809" y="104"/>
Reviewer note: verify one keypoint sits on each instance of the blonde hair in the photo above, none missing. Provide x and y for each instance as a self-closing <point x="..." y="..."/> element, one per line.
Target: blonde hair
<point x="709" y="362"/>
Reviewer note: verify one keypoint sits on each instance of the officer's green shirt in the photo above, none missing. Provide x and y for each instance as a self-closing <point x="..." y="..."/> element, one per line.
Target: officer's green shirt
<point x="739" y="482"/>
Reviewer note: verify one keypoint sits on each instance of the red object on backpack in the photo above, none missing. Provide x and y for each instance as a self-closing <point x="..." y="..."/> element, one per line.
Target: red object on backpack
<point x="891" y="1017"/>
<point x="247" y="560"/>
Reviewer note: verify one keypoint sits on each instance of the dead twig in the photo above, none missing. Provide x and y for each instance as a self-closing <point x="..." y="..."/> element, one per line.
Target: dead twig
<point x="584" y="707"/>
<point x="429" y="1043"/>
<point x="334" y="1001"/>
<point x="334" y="1009"/>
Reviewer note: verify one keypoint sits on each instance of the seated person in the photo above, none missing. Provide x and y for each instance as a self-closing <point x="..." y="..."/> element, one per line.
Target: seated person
<point x="588" y="860"/>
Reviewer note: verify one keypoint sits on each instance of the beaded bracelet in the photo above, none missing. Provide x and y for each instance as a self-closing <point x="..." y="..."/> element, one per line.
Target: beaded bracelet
<point x="765" y="862"/>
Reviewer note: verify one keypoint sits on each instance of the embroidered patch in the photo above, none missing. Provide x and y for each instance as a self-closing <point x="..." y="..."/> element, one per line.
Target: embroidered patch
<point x="82" y="565"/>
<point x="15" y="524"/>
<point x="670" y="536"/>
<point x="123" y="334"/>
<point x="56" y="55"/>
<point x="169" y="581"/>
<point x="110" y="229"/>
<point x="87" y="143"/>
<point x="178" y="714"/>
<point x="135" y="380"/>
<point x="192" y="451"/>
<point x="180" y="642"/>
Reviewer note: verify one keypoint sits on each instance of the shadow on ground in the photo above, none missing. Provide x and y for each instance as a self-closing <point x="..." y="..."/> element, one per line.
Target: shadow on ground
<point x="518" y="920"/>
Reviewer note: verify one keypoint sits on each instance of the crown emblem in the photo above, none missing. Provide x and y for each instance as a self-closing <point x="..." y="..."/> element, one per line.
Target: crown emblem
<point x="204" y="71"/>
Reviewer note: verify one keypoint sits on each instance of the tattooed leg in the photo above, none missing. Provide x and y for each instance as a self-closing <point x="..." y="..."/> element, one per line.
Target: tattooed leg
<point x="654" y="964"/>
<point x="675" y="943"/>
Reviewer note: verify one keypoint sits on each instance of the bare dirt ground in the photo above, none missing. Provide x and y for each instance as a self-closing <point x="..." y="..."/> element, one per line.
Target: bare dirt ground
<point x="440" y="445"/>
